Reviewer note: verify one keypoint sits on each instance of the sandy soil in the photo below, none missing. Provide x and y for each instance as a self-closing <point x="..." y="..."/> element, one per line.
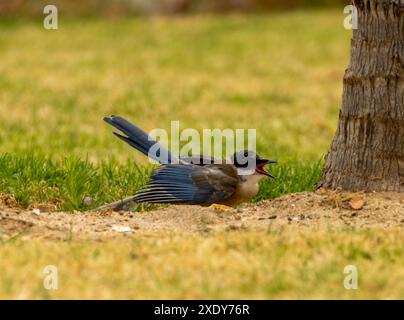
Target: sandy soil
<point x="321" y="209"/>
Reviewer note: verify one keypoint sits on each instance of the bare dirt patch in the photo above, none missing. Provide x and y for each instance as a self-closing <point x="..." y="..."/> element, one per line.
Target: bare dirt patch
<point x="305" y="210"/>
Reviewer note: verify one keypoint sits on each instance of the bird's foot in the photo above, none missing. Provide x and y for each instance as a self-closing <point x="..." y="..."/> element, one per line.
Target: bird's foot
<point x="220" y="207"/>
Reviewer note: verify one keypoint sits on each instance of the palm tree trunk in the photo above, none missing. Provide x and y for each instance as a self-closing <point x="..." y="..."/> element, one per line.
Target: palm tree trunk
<point x="367" y="152"/>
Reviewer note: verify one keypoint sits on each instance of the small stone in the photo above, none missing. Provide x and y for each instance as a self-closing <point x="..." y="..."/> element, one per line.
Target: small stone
<point x="36" y="212"/>
<point x="122" y="229"/>
<point x="88" y="201"/>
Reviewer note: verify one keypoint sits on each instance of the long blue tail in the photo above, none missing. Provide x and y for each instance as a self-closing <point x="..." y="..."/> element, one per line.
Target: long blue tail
<point x="140" y="140"/>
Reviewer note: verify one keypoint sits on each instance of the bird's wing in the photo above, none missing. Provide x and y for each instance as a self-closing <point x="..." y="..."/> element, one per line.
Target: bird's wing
<point x="189" y="184"/>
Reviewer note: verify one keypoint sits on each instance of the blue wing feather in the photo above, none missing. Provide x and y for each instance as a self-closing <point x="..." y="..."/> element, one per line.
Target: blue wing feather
<point x="187" y="184"/>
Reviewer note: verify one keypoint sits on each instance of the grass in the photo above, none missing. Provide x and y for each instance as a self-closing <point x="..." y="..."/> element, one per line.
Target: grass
<point x="208" y="72"/>
<point x="229" y="265"/>
<point x="34" y="179"/>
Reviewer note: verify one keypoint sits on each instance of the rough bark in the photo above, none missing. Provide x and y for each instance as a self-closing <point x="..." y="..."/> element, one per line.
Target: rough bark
<point x="367" y="152"/>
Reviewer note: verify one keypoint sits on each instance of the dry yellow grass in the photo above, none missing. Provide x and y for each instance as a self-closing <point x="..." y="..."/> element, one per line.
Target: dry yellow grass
<point x="229" y="265"/>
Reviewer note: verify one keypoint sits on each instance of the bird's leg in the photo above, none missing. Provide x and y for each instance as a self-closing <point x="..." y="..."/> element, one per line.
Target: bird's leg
<point x="220" y="207"/>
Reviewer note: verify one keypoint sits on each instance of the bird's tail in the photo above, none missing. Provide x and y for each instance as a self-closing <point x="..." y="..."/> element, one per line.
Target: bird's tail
<point x="140" y="140"/>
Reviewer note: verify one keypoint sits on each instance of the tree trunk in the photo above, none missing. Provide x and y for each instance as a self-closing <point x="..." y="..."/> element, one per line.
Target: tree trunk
<point x="367" y="153"/>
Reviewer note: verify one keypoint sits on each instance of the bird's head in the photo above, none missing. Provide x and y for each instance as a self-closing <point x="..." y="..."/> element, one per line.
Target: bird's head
<point x="249" y="161"/>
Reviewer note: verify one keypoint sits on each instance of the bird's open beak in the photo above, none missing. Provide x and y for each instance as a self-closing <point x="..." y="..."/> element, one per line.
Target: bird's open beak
<point x="261" y="163"/>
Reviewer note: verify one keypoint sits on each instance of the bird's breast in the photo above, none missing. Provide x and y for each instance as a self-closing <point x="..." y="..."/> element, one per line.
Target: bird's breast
<point x="247" y="189"/>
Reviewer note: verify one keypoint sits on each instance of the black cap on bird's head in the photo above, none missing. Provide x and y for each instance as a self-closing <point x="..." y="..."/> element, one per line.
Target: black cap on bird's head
<point x="247" y="159"/>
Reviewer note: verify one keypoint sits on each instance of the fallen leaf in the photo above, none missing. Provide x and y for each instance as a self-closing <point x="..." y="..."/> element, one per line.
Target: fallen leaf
<point x="357" y="203"/>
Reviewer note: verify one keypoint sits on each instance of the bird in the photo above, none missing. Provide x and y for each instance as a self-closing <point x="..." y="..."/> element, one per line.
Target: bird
<point x="196" y="180"/>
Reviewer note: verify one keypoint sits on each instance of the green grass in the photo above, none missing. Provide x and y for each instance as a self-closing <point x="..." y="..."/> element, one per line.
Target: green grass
<point x="34" y="179"/>
<point x="208" y="72"/>
<point x="38" y="179"/>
